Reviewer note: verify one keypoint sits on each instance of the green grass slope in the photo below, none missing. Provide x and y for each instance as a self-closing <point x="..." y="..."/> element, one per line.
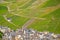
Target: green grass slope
<point x="22" y="10"/>
<point x="3" y="10"/>
<point x="51" y="22"/>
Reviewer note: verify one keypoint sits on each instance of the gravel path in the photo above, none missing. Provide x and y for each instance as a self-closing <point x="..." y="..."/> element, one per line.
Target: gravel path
<point x="28" y="23"/>
<point x="9" y="21"/>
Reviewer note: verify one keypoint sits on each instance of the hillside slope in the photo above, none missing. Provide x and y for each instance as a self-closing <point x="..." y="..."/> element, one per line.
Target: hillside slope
<point x="45" y="12"/>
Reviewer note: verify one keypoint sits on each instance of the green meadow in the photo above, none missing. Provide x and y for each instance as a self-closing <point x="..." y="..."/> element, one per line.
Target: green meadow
<point x="20" y="11"/>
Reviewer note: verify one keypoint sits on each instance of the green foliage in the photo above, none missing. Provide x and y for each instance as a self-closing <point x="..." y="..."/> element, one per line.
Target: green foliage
<point x="3" y="10"/>
<point x="50" y="3"/>
<point x="1" y="34"/>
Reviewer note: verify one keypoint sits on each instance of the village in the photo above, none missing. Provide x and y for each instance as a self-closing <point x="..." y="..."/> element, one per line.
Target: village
<point x="29" y="12"/>
<point x="27" y="34"/>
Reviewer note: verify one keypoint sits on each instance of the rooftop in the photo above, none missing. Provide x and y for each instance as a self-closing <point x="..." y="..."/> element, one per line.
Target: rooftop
<point x="29" y="34"/>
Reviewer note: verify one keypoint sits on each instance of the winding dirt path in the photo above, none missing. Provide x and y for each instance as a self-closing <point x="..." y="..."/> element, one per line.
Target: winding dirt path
<point x="9" y="21"/>
<point x="28" y="23"/>
<point x="23" y="26"/>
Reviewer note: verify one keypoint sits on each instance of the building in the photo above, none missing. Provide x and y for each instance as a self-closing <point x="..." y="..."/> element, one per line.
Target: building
<point x="28" y="34"/>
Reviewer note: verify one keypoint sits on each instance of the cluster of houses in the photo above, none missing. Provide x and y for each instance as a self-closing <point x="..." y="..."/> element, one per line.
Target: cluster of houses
<point x="27" y="34"/>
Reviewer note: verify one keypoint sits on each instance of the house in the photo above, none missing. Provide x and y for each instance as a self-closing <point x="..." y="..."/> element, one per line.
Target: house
<point x="9" y="19"/>
<point x="28" y="34"/>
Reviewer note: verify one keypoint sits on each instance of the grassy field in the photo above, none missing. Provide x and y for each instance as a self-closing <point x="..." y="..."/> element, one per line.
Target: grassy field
<point x="17" y="21"/>
<point x="20" y="11"/>
<point x="51" y="23"/>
